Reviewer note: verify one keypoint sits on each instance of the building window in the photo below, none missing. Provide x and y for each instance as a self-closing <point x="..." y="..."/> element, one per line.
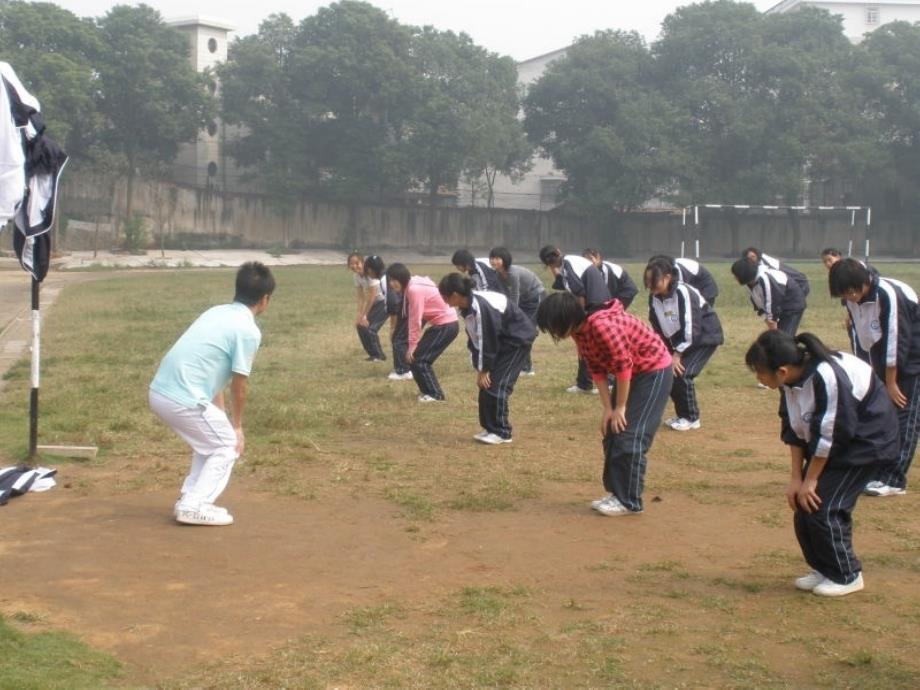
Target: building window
<point x="212" y="169"/>
<point x="212" y="45"/>
<point x="212" y="128"/>
<point x="872" y="16"/>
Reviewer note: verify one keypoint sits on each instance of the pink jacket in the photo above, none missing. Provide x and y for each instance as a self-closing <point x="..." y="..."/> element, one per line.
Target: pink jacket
<point x="424" y="304"/>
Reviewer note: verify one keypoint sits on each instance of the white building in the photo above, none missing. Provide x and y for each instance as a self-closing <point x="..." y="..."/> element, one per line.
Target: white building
<point x="539" y="187"/>
<point x="203" y="164"/>
<point x="859" y="16"/>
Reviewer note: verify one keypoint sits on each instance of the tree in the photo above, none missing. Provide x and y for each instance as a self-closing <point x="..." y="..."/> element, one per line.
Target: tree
<point x="760" y="99"/>
<point x="598" y="115"/>
<point x="152" y="98"/>
<point x="54" y="54"/>
<point x="886" y="80"/>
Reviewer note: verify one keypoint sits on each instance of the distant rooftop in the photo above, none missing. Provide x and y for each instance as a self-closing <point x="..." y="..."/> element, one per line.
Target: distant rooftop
<point x="791" y="4"/>
<point x="198" y="20"/>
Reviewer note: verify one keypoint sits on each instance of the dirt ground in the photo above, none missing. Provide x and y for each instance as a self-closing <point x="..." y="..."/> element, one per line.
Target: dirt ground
<point x="115" y="569"/>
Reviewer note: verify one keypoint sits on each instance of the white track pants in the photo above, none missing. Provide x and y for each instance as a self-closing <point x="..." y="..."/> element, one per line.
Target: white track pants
<point x="208" y="431"/>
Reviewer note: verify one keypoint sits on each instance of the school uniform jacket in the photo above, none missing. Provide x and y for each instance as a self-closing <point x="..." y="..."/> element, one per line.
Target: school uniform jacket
<point x="684" y="319"/>
<point x="486" y="277"/>
<point x="886" y="324"/>
<point x="694" y="273"/>
<point x="774" y="293"/>
<point x="424" y="304"/>
<point x="392" y="298"/>
<point x="583" y="279"/>
<point x="619" y="284"/>
<point x="840" y="410"/>
<point x="777" y="265"/>
<point x="494" y="324"/>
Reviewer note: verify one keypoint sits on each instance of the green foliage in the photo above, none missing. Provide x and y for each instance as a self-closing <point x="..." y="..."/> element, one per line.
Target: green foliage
<point x="369" y="107"/>
<point x="135" y="235"/>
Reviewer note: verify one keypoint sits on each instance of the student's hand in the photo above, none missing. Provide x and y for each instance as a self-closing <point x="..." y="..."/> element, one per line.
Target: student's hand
<point x="792" y="492"/>
<point x="362" y="321"/>
<point x="897" y="397"/>
<point x="676" y="365"/>
<point x="410" y="357"/>
<point x="772" y="325"/>
<point x="613" y="421"/>
<point x="240" y="440"/>
<point x="807" y="496"/>
<point x="483" y="380"/>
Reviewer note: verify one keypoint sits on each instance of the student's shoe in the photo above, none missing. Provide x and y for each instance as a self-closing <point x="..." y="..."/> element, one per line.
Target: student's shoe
<point x="882" y="489"/>
<point x="613" y="508"/>
<point x="480" y="434"/>
<point x="670" y="420"/>
<point x="682" y="424"/>
<point x="529" y="372"/>
<point x="763" y="387"/>
<point x="829" y="588"/>
<point x="595" y="504"/>
<point x="579" y="389"/>
<point x="179" y="508"/>
<point x="808" y="582"/>
<point x="492" y="439"/>
<point x="205" y="515"/>
<point x="428" y="399"/>
<point x="394" y="376"/>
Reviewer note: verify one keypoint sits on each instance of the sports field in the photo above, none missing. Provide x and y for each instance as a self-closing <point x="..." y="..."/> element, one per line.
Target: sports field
<point x="377" y="545"/>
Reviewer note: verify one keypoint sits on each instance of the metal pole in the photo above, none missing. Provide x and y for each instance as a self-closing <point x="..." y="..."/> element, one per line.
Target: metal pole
<point x="696" y="223"/>
<point x="36" y="360"/>
<point x="683" y="234"/>
<point x="868" y="226"/>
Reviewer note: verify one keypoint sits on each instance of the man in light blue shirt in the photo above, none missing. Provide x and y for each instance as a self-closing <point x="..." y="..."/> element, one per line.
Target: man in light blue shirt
<point x="187" y="392"/>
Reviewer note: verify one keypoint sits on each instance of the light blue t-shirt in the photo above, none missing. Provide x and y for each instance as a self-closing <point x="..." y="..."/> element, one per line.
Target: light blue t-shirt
<point x="221" y="342"/>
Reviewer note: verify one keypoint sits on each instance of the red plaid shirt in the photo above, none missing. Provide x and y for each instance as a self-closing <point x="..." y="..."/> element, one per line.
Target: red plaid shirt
<point x="614" y="342"/>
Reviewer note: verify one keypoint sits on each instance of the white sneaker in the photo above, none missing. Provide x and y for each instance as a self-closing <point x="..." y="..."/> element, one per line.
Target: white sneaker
<point x="529" y="372"/>
<point x="808" y="582"/>
<point x="480" y="434"/>
<point x="595" y="504"/>
<point x="584" y="391"/>
<point x="670" y="420"/>
<point x="882" y="489"/>
<point x="763" y="387"/>
<point x="492" y="439"/>
<point x="428" y="399"/>
<point x="205" y="515"/>
<point x="613" y="508"/>
<point x="393" y="376"/>
<point x="682" y="424"/>
<point x="829" y="588"/>
<point x="208" y="506"/>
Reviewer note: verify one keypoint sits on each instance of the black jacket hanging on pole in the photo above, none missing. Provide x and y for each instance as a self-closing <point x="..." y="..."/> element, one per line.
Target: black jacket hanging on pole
<point x="43" y="162"/>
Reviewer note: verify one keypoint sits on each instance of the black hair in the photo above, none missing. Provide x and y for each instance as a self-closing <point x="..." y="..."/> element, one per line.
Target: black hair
<point x="549" y="255"/>
<point x="374" y="265"/>
<point x="831" y="251"/>
<point x="559" y="313"/>
<point x="503" y="254"/>
<point x="666" y="257"/>
<point x="659" y="267"/>
<point x="744" y="271"/>
<point x="775" y="349"/>
<point x="462" y="257"/>
<point x="456" y="283"/>
<point x="254" y="280"/>
<point x="399" y="273"/>
<point x="755" y="251"/>
<point x="592" y="253"/>
<point x="847" y="274"/>
<point x="352" y="256"/>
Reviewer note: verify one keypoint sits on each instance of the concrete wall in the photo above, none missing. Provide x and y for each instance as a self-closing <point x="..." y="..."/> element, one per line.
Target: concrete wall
<point x="199" y="218"/>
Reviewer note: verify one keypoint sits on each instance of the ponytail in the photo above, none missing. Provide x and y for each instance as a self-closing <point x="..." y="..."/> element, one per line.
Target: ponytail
<point x="374" y="266"/>
<point x="775" y="349"/>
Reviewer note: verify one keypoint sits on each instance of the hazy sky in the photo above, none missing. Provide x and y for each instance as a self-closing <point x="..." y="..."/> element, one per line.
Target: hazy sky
<point x="520" y="28"/>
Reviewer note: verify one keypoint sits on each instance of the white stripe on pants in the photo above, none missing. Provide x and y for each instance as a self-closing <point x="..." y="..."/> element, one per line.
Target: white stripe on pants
<point x="213" y="441"/>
